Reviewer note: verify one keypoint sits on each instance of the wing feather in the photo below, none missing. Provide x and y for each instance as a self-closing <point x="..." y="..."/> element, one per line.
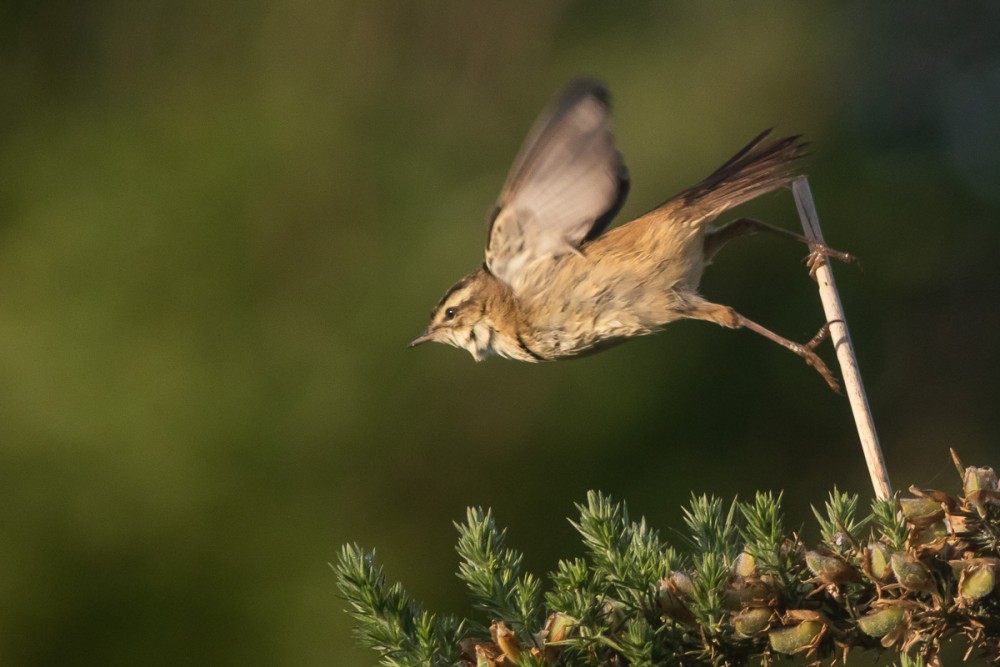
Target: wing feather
<point x="565" y="185"/>
<point x="758" y="168"/>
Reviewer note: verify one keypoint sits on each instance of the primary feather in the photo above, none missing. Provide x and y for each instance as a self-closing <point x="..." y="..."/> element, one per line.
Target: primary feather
<point x="566" y="184"/>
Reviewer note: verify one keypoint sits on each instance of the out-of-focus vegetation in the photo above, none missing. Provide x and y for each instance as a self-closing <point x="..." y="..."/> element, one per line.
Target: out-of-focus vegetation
<point x="220" y="223"/>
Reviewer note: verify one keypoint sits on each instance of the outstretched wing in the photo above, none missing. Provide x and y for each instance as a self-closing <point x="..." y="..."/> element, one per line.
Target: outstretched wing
<point x="566" y="184"/>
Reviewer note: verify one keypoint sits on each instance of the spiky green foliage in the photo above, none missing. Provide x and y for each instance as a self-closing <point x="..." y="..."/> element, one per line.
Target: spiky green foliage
<point x="840" y="526"/>
<point x="492" y="573"/>
<point x="628" y="558"/>
<point x="711" y="531"/>
<point x="764" y="536"/>
<point x="906" y="577"/>
<point x="707" y="593"/>
<point x="390" y="622"/>
<point x="885" y="515"/>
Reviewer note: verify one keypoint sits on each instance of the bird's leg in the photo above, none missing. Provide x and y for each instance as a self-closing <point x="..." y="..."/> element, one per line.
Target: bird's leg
<point x="821" y="335"/>
<point x="719" y="236"/>
<point x="727" y="317"/>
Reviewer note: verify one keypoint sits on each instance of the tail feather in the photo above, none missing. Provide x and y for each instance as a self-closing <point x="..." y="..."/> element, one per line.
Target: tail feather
<point x="758" y="168"/>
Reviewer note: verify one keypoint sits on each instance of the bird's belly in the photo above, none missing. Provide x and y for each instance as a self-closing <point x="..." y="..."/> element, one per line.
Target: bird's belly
<point x="573" y="328"/>
<point x="595" y="301"/>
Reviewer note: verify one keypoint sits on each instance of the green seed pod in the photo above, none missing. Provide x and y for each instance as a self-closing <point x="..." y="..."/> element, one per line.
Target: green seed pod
<point x="682" y="583"/>
<point x="977" y="582"/>
<point x="980" y="487"/>
<point x="559" y="626"/>
<point x="614" y="613"/>
<point x="879" y="560"/>
<point x="930" y="533"/>
<point x="921" y="510"/>
<point x="796" y="639"/>
<point x="882" y="622"/>
<point x="749" y="622"/>
<point x="670" y="599"/>
<point x="911" y="573"/>
<point x="745" y="565"/>
<point x="979" y="479"/>
<point x="754" y="594"/>
<point x="829" y="569"/>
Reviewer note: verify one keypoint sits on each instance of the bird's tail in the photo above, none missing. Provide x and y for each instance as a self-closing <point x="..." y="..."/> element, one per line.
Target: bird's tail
<point x="755" y="170"/>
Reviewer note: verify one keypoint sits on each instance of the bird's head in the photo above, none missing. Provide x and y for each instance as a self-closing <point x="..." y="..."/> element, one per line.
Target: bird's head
<point x="462" y="318"/>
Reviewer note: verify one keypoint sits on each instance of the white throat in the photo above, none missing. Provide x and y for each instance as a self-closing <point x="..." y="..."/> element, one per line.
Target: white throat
<point x="480" y="341"/>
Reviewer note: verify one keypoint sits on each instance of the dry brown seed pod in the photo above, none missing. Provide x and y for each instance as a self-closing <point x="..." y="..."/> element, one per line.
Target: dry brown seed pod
<point x="507" y="640"/>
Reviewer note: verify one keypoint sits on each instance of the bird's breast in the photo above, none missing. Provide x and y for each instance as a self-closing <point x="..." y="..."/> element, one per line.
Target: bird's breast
<point x="589" y="303"/>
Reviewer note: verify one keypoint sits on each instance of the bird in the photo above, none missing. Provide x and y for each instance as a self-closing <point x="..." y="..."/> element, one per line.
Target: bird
<point x="557" y="283"/>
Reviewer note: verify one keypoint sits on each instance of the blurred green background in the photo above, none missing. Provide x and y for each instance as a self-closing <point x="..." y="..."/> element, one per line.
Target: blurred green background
<point x="221" y="223"/>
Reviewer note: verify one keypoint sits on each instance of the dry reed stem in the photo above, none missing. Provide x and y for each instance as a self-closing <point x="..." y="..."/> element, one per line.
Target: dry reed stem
<point x="841" y="339"/>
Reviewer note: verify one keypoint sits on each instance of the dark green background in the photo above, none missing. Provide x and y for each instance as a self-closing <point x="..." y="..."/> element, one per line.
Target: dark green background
<point x="220" y="224"/>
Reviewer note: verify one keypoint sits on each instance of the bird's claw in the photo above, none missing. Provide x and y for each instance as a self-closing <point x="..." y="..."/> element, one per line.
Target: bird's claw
<point x="813" y="360"/>
<point x="820" y="252"/>
<point x="806" y="351"/>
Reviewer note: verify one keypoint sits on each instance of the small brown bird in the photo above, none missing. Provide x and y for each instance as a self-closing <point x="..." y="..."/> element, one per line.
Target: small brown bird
<point x="555" y="286"/>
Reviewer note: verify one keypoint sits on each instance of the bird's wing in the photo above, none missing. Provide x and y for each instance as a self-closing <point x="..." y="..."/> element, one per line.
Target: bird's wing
<point x="566" y="184"/>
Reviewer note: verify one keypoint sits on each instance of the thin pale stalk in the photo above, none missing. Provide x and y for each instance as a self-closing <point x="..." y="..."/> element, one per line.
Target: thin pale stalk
<point x="841" y="339"/>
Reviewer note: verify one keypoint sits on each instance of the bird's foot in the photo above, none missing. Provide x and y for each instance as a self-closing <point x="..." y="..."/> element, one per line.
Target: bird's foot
<point x="806" y="351"/>
<point x="819" y="254"/>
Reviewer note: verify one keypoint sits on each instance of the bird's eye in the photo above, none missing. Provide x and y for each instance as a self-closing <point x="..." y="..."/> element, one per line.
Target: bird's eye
<point x="450" y="314"/>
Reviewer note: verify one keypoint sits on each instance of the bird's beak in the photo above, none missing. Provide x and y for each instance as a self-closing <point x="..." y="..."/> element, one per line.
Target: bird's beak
<point x="426" y="336"/>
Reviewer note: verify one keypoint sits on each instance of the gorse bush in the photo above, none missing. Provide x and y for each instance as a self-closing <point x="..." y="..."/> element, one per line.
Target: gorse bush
<point x="905" y="576"/>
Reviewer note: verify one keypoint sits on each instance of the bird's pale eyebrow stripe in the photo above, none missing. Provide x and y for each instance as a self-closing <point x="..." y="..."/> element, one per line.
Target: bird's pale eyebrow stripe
<point x="454" y="288"/>
<point x="458" y="306"/>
